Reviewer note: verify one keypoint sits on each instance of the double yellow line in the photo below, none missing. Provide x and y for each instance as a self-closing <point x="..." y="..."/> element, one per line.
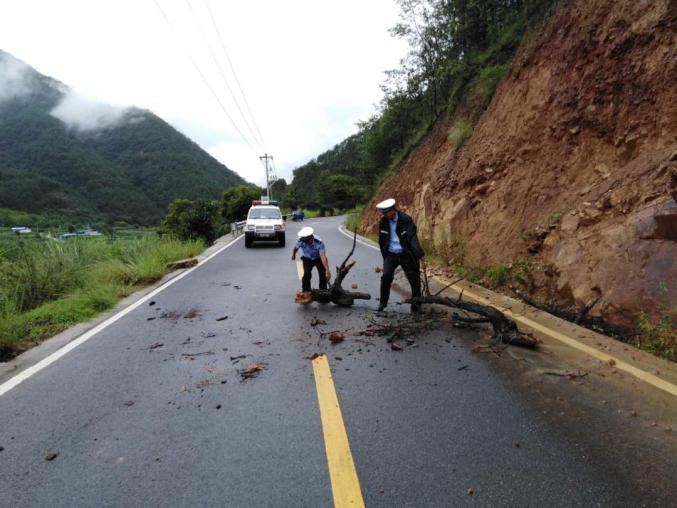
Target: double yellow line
<point x="345" y="485"/>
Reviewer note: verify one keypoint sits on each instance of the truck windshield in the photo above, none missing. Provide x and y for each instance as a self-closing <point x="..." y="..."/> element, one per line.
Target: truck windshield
<point x="264" y="213"/>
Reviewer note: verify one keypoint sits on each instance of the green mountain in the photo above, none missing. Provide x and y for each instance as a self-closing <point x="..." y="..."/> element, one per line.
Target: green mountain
<point x="62" y="155"/>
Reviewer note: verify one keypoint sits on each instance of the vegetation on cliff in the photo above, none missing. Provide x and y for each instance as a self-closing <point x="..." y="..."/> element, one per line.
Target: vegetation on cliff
<point x="454" y="45"/>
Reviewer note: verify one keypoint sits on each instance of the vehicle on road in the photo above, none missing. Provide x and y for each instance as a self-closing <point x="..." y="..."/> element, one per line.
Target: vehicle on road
<point x="297" y="215"/>
<point x="264" y="223"/>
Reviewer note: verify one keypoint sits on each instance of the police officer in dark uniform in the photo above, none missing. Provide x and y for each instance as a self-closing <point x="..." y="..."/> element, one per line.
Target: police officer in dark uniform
<point x="399" y="247"/>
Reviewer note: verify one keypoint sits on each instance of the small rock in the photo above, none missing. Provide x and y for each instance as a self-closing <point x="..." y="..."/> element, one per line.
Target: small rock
<point x="353" y="286"/>
<point x="51" y="456"/>
<point x="470" y="491"/>
<point x="221" y="318"/>
<point x="218" y="406"/>
<point x="611" y="362"/>
<point x="336" y="337"/>
<point x="151" y="303"/>
<point x="129" y="403"/>
<point x="395" y="347"/>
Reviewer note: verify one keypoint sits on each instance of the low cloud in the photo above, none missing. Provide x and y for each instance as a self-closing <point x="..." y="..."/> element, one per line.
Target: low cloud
<point x="85" y="114"/>
<point x="14" y="78"/>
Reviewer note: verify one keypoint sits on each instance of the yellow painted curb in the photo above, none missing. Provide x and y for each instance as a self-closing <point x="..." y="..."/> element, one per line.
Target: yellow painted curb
<point x="645" y="376"/>
<point x="595" y="353"/>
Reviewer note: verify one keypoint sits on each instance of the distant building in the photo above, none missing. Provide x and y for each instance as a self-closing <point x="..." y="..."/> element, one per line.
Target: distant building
<point x="86" y="233"/>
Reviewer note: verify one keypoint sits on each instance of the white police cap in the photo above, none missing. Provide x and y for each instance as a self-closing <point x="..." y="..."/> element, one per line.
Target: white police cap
<point x="385" y="205"/>
<point x="304" y="232"/>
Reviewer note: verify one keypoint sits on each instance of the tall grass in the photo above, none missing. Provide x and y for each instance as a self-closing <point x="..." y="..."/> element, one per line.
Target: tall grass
<point x="46" y="286"/>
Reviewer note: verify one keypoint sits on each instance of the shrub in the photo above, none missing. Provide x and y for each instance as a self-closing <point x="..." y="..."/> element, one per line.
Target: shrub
<point x="460" y="132"/>
<point x="487" y="81"/>
<point x="190" y="220"/>
<point x="499" y="274"/>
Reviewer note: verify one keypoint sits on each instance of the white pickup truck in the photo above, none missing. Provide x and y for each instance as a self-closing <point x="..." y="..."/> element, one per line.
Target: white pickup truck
<point x="264" y="222"/>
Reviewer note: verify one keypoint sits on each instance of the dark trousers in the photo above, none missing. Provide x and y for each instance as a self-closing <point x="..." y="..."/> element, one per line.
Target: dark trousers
<point x="411" y="268"/>
<point x="308" y="265"/>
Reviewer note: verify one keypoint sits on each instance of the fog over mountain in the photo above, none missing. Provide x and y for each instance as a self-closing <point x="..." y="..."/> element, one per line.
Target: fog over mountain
<point x="67" y="154"/>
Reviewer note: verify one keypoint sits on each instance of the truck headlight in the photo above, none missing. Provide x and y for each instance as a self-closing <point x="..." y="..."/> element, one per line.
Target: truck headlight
<point x="278" y="227"/>
<point x="250" y="227"/>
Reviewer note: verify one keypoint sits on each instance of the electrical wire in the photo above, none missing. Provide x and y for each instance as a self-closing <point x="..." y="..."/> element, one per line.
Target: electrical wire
<point x="222" y="74"/>
<point x="204" y="79"/>
<point x="232" y="69"/>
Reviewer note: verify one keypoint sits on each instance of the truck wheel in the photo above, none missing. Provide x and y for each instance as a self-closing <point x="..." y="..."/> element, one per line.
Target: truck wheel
<point x="281" y="239"/>
<point x="247" y="241"/>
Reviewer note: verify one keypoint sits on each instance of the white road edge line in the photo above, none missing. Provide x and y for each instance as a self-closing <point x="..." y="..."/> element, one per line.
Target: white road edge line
<point x="45" y="362"/>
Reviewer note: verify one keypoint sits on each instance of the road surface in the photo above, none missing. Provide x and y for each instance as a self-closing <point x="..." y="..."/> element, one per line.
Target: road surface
<point x="152" y="410"/>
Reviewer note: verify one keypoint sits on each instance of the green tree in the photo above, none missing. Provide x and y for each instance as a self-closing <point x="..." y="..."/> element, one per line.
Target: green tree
<point x="279" y="190"/>
<point x="236" y="201"/>
<point x="340" y="191"/>
<point x="189" y="220"/>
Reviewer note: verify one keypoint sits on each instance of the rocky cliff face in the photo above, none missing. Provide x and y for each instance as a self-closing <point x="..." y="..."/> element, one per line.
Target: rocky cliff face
<point x="573" y="166"/>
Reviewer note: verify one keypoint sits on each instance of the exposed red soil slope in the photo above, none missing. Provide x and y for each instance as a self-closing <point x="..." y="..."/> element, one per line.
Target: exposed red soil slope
<point x="573" y="165"/>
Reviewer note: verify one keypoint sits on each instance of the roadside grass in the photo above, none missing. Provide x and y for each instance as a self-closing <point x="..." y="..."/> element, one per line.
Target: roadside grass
<point x="659" y="336"/>
<point x="353" y="217"/>
<point x="47" y="286"/>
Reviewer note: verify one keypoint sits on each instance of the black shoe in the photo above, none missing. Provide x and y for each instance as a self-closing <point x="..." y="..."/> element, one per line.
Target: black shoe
<point x="381" y="308"/>
<point x="416" y="310"/>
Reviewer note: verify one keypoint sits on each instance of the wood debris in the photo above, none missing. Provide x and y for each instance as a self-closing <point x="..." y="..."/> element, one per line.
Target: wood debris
<point x="252" y="371"/>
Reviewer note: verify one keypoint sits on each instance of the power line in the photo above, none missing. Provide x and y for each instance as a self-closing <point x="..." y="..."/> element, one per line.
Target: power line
<point x="204" y="79"/>
<point x="232" y="69"/>
<point x="222" y="74"/>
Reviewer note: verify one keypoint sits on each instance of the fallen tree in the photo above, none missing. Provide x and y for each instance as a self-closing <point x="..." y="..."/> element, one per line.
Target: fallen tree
<point x="335" y="293"/>
<point x="505" y="329"/>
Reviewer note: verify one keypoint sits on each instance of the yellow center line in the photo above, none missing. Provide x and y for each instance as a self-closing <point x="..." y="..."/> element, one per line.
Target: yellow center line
<point x="345" y="485"/>
<point x="299" y="269"/>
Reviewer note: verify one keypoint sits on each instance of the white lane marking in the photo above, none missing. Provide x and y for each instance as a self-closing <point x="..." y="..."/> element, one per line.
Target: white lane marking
<point x="45" y="362"/>
<point x="359" y="240"/>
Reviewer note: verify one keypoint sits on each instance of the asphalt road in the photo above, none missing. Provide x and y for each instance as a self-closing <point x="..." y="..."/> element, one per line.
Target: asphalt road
<point x="152" y="410"/>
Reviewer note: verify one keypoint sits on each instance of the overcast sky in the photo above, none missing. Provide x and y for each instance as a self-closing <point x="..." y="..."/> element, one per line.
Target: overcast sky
<point x="310" y="69"/>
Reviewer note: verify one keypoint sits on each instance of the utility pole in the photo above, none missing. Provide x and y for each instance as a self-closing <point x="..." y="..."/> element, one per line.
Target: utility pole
<point x="265" y="158"/>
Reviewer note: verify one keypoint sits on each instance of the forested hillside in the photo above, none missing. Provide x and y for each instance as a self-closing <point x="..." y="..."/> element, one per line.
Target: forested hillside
<point x="124" y="165"/>
<point x="457" y="47"/>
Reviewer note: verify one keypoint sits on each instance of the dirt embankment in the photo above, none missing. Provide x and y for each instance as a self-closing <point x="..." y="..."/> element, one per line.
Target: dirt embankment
<point x="573" y="166"/>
